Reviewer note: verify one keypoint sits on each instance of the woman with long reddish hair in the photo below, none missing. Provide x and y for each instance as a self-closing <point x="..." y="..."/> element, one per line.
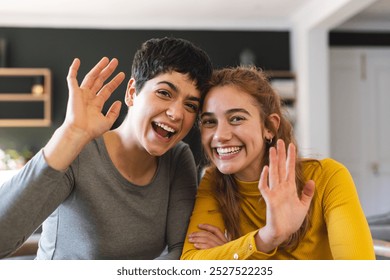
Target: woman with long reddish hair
<point x="258" y="199"/>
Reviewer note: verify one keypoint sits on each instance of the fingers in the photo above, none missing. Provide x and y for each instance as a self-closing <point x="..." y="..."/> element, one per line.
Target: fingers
<point x="113" y="113"/>
<point x="105" y="73"/>
<point x="281" y="149"/>
<point x="273" y="168"/>
<point x="308" y="192"/>
<point x="202" y="240"/>
<point x="281" y="169"/>
<point x="209" y="237"/>
<point x="72" y="74"/>
<point x="92" y="75"/>
<point x="214" y="230"/>
<point x="263" y="184"/>
<point x="291" y="158"/>
<point x="110" y="87"/>
<point x="95" y="78"/>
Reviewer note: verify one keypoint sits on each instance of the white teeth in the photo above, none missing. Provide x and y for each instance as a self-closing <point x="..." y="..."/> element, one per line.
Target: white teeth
<point x="165" y="127"/>
<point x="230" y="150"/>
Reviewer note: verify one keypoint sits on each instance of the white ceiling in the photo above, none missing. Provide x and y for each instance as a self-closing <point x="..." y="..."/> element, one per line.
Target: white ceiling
<point x="170" y="14"/>
<point x="375" y="17"/>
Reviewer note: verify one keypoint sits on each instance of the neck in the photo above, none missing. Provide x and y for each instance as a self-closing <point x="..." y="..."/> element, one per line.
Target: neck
<point x="131" y="160"/>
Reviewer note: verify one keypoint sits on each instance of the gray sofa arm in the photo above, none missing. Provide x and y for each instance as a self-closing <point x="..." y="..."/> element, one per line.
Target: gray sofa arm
<point x="382" y="248"/>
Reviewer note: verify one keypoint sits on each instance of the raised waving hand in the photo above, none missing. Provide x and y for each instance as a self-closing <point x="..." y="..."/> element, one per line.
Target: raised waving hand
<point x="84" y="119"/>
<point x="285" y="210"/>
<point x="85" y="103"/>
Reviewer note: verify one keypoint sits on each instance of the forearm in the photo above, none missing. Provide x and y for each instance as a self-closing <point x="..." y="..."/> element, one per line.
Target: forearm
<point x="64" y="146"/>
<point x="27" y="200"/>
<point x="242" y="248"/>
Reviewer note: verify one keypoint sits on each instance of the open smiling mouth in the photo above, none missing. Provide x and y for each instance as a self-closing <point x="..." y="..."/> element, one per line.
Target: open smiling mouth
<point x="228" y="151"/>
<point x="163" y="130"/>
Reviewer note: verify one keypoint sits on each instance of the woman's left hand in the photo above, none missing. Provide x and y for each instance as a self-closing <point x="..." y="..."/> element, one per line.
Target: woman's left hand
<point x="209" y="237"/>
<point x="286" y="209"/>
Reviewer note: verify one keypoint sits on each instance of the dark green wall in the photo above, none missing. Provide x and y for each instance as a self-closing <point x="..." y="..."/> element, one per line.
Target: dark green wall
<point x="56" y="48"/>
<point x="358" y="39"/>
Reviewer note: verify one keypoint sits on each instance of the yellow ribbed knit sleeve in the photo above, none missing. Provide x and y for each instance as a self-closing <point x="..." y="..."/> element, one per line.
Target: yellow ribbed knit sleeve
<point x="347" y="229"/>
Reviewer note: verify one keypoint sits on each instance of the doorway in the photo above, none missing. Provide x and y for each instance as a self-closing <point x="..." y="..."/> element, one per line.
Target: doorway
<point x="359" y="118"/>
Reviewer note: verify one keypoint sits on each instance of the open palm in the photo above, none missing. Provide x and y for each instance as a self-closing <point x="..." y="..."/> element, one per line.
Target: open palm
<point x="85" y="103"/>
<point x="286" y="210"/>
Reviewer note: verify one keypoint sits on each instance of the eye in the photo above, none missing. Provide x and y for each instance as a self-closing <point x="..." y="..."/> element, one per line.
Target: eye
<point x="237" y="119"/>
<point x="208" y="122"/>
<point x="192" y="107"/>
<point x="164" y="93"/>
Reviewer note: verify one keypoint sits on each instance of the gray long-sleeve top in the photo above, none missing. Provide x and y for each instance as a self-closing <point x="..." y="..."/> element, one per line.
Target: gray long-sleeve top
<point x="92" y="212"/>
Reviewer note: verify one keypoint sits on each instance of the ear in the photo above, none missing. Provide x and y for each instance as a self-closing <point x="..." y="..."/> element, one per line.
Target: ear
<point x="130" y="92"/>
<point x="275" y="120"/>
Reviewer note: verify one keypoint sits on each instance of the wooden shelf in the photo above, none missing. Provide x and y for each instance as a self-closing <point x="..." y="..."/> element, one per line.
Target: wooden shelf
<point x="280" y="74"/>
<point x="23" y="97"/>
<point x="24" y="122"/>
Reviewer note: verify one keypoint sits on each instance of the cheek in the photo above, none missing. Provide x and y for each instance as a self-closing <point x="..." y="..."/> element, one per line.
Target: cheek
<point x="189" y="121"/>
<point x="257" y="142"/>
<point x="206" y="138"/>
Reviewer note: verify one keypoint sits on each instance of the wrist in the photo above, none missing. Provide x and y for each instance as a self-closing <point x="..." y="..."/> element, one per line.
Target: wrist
<point x="64" y="146"/>
<point x="74" y="135"/>
<point x="266" y="241"/>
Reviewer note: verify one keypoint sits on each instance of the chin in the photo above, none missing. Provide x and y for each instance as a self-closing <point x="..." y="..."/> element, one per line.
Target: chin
<point x="158" y="153"/>
<point x="227" y="170"/>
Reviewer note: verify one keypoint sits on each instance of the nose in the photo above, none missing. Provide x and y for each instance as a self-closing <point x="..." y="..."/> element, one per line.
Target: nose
<point x="222" y="132"/>
<point x="175" y="111"/>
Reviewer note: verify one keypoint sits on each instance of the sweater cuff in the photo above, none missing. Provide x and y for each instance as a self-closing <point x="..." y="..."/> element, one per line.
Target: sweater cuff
<point x="247" y="249"/>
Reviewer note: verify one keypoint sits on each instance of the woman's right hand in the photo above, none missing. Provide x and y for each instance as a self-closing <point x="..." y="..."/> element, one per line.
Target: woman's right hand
<point x="285" y="210"/>
<point x="208" y="237"/>
<point x="84" y="119"/>
<point x="84" y="110"/>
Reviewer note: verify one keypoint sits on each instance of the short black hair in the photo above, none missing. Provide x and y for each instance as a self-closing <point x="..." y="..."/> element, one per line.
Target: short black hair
<point x="161" y="55"/>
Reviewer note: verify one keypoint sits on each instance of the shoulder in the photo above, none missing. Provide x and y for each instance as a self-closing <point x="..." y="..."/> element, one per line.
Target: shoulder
<point x="93" y="155"/>
<point x="328" y="174"/>
<point x="327" y="166"/>
<point x="181" y="146"/>
<point x="206" y="181"/>
<point x="96" y="146"/>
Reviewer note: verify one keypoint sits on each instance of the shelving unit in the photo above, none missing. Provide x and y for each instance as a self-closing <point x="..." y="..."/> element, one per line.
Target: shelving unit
<point x="26" y="99"/>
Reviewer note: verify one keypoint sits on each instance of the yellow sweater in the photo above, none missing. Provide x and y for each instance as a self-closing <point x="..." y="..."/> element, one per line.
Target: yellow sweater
<point x="338" y="227"/>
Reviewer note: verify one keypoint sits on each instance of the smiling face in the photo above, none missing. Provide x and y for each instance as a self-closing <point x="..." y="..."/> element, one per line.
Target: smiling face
<point x="232" y="132"/>
<point x="163" y="112"/>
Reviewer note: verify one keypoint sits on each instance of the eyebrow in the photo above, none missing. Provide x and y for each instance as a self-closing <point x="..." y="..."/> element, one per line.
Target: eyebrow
<point x="237" y="110"/>
<point x="206" y="114"/>
<point x="175" y="88"/>
<point x="228" y="112"/>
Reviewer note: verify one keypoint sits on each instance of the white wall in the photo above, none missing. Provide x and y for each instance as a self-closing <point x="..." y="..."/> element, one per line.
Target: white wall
<point x="311" y="64"/>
